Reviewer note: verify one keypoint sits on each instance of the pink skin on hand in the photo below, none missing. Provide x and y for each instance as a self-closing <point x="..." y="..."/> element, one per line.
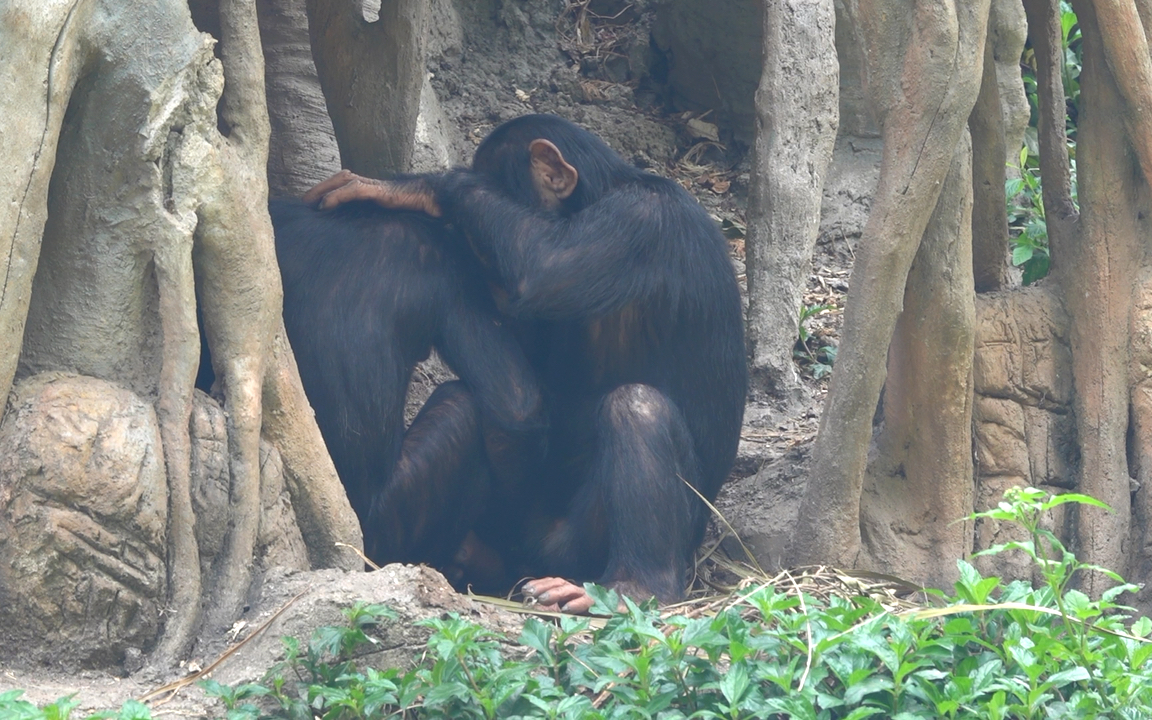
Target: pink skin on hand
<point x="558" y="595"/>
<point x="346" y="186"/>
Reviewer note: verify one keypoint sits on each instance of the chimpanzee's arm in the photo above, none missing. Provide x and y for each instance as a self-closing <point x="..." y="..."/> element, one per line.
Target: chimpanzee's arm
<point x="481" y="348"/>
<point x="592" y="262"/>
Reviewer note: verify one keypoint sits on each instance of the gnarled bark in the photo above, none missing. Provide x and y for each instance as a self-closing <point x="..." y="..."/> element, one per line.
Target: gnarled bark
<point x="923" y="64"/>
<point x="921" y="480"/>
<point x="797" y="114"/>
<point x="372" y="73"/>
<point x="145" y="190"/>
<point x="1098" y="277"/>
<point x="303" y="147"/>
<point x="989" y="214"/>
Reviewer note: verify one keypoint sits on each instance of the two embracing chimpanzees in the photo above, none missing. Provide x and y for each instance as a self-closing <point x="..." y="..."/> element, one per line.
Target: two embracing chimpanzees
<point x="367" y="293"/>
<point x="626" y="303"/>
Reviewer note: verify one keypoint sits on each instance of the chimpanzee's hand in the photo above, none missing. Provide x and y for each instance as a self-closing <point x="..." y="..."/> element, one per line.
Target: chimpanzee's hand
<point x="558" y="595"/>
<point x="346" y="186"/>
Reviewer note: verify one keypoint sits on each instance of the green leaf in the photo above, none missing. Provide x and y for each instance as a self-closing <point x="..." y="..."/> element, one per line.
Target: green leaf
<point x="1063" y="498"/>
<point x="1142" y="627"/>
<point x="734" y="683"/>
<point x="1035" y="269"/>
<point x="1070" y="675"/>
<point x="134" y="710"/>
<point x="538" y="636"/>
<point x="874" y="684"/>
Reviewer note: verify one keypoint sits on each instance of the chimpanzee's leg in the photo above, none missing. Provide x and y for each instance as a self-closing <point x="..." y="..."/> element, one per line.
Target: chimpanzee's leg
<point x="634" y="524"/>
<point x="438" y="487"/>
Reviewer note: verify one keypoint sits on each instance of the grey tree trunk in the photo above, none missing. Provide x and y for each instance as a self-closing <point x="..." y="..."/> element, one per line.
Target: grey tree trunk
<point x="923" y="66"/>
<point x="372" y="74"/>
<point x="797" y="115"/>
<point x="989" y="212"/>
<point x="130" y="198"/>
<point x="302" y="149"/>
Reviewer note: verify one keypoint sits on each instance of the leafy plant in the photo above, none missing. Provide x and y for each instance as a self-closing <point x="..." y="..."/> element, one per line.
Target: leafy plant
<point x="991" y="651"/>
<point x="994" y="651"/>
<point x="817" y="361"/>
<point x="12" y="707"/>
<point x="1028" y="228"/>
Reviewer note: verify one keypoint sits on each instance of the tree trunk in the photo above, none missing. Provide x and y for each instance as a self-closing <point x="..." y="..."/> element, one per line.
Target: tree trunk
<point x="923" y="67"/>
<point x="921" y="480"/>
<point x="115" y="106"/>
<point x="797" y="111"/>
<point x="302" y="149"/>
<point x="1098" y="276"/>
<point x="372" y="74"/>
<point x="989" y="213"/>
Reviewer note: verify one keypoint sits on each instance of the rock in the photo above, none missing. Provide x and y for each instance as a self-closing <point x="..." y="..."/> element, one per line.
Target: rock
<point x="1023" y="427"/>
<point x="84" y="514"/>
<point x="83" y="518"/>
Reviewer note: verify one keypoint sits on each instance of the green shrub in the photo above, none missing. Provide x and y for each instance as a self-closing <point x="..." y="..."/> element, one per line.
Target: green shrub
<point x="992" y="650"/>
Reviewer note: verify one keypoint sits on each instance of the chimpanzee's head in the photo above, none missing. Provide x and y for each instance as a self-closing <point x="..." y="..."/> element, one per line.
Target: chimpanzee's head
<point x="546" y="161"/>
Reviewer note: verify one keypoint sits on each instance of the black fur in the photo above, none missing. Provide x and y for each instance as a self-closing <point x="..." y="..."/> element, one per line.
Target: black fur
<point x="631" y="314"/>
<point x="367" y="293"/>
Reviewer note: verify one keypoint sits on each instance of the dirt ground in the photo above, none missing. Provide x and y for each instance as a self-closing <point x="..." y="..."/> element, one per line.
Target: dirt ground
<point x="492" y="62"/>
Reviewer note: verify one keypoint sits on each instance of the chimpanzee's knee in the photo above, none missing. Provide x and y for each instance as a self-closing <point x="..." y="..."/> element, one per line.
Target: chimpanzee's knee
<point x="637" y="408"/>
<point x="643" y="440"/>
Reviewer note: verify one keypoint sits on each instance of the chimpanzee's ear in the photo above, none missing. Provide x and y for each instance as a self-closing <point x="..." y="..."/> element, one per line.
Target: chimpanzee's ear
<point x="553" y="175"/>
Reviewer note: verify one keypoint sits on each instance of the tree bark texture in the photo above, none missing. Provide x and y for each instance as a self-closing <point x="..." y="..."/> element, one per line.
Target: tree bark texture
<point x="109" y="123"/>
<point x="921" y="481"/>
<point x="372" y="74"/>
<point x="1098" y="276"/>
<point x="1007" y="33"/>
<point x="302" y="149"/>
<point x="923" y="67"/>
<point x="797" y="115"/>
<point x="989" y="212"/>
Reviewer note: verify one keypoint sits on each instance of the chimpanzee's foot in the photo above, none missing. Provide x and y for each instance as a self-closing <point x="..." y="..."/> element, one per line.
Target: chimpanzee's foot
<point x="477" y="564"/>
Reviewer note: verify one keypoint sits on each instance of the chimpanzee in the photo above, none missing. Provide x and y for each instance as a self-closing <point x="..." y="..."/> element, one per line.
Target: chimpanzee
<point x="367" y="292"/>
<point x="638" y="341"/>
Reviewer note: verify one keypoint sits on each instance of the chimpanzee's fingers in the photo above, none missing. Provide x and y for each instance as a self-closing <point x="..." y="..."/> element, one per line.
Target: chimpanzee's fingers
<point x="358" y="189"/>
<point x="580" y="605"/>
<point x="559" y="594"/>
<point x="341" y="178"/>
<point x="536" y="588"/>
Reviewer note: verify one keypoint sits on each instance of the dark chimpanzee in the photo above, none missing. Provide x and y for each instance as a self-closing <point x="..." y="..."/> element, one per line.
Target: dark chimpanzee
<point x="367" y="292"/>
<point x="638" y="340"/>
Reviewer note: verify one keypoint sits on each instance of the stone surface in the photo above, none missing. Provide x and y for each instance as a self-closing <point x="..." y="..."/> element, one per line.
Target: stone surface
<point x="83" y="518"/>
<point x="83" y="514"/>
<point x="1023" y="430"/>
